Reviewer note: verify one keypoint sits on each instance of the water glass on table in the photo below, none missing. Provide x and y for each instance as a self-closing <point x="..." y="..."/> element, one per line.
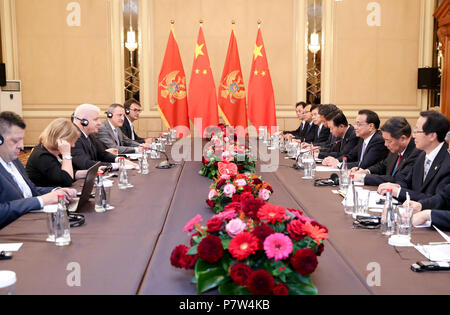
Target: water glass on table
<point x="362" y="201"/>
<point x="404" y="217"/>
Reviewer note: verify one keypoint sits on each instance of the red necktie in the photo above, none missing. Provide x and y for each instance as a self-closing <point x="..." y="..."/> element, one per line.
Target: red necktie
<point x="397" y="164"/>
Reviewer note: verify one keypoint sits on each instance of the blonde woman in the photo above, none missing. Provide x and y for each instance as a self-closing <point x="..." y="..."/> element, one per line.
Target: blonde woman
<point x="50" y="162"/>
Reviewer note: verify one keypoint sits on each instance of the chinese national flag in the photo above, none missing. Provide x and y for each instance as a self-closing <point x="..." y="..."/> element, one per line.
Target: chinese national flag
<point x="232" y="90"/>
<point x="172" y="97"/>
<point x="261" y="99"/>
<point x="202" y="90"/>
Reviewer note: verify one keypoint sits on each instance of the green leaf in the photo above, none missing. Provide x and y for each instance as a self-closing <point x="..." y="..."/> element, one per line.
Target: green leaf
<point x="226" y="243"/>
<point x="192" y="250"/>
<point x="301" y="285"/>
<point x="209" y="276"/>
<point x="230" y="288"/>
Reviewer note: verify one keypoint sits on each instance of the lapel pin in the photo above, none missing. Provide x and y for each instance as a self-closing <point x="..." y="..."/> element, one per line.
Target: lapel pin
<point x="436" y="168"/>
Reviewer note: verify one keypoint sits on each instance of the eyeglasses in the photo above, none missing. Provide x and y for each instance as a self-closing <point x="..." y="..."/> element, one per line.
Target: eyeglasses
<point x="415" y="131"/>
<point x="358" y="124"/>
<point x="137" y="110"/>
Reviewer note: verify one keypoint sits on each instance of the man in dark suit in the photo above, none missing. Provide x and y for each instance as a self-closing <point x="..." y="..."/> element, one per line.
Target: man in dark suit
<point x="403" y="154"/>
<point x="322" y="134"/>
<point x="370" y="148"/>
<point x="345" y="137"/>
<point x="299" y="107"/>
<point x="88" y="150"/>
<point x="111" y="136"/>
<point x="132" y="111"/>
<point x="431" y="171"/>
<point x="435" y="209"/>
<point x="18" y="195"/>
<point x="309" y="131"/>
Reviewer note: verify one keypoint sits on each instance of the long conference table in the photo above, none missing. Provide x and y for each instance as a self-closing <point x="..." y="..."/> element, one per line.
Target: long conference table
<point x="127" y="250"/>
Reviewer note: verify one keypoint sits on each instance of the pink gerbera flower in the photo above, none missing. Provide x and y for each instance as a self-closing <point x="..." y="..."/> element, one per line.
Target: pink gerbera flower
<point x="190" y="225"/>
<point x="278" y="246"/>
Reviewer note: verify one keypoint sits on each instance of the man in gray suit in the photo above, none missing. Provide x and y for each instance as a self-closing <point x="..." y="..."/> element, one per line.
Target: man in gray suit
<point x="111" y="136"/>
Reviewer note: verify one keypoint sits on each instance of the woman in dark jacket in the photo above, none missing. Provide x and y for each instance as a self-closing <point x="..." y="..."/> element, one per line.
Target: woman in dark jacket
<point x="50" y="162"/>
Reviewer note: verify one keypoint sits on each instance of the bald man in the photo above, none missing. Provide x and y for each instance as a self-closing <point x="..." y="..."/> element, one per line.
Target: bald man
<point x="88" y="150"/>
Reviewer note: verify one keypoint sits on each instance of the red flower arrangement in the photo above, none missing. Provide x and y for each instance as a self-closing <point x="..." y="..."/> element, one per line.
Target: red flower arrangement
<point x="273" y="251"/>
<point x="223" y="148"/>
<point x="247" y="189"/>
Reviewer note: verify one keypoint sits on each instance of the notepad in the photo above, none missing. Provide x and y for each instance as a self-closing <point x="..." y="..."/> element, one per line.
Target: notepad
<point x="12" y="247"/>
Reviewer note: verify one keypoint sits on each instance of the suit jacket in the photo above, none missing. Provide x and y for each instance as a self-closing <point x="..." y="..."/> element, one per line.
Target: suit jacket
<point x="296" y="133"/>
<point x="44" y="169"/>
<point x="342" y="147"/>
<point x="107" y="137"/>
<point x="88" y="151"/>
<point x="126" y="130"/>
<point x="375" y="151"/>
<point x="437" y="178"/>
<point x="441" y="219"/>
<point x="308" y="133"/>
<point x="439" y="201"/>
<point x="323" y="137"/>
<point x="382" y="171"/>
<point x="12" y="203"/>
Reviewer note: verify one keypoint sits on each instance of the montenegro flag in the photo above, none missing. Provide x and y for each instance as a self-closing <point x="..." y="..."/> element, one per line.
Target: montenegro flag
<point x="261" y="99"/>
<point x="232" y="105"/>
<point x="202" y="91"/>
<point x="172" y="96"/>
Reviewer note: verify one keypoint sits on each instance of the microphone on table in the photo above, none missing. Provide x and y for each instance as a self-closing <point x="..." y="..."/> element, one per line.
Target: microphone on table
<point x="164" y="164"/>
<point x="332" y="181"/>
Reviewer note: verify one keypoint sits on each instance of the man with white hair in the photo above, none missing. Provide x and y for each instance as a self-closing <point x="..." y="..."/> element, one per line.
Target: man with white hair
<point x="88" y="150"/>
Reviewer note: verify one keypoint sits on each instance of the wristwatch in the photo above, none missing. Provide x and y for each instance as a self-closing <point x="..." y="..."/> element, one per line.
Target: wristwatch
<point x="67" y="157"/>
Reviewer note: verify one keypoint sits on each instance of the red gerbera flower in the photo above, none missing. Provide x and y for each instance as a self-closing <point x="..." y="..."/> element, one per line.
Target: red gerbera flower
<point x="210" y="249"/>
<point x="236" y="206"/>
<point x="280" y="289"/>
<point x="240" y="273"/>
<point x="260" y="282"/>
<point x="271" y="213"/>
<point x="304" y="261"/>
<point x="243" y="245"/>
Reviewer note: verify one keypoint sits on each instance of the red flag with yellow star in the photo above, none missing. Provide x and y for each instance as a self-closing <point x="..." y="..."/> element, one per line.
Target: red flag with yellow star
<point x="261" y="99"/>
<point x="202" y="97"/>
<point x="172" y="98"/>
<point x="232" y="104"/>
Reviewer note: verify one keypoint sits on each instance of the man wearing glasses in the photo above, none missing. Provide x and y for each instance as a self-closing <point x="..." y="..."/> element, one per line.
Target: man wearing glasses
<point x="431" y="172"/>
<point x="132" y="111"/>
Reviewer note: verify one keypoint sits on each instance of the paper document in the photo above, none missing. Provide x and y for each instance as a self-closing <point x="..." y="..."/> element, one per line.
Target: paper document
<point x="326" y="169"/>
<point x="134" y="156"/>
<point x="445" y="236"/>
<point x="437" y="253"/>
<point x="13" y="247"/>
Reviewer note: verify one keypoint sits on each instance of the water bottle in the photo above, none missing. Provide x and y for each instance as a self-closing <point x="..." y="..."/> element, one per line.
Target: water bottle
<point x="387" y="219"/>
<point x="123" y="177"/>
<point x="144" y="166"/>
<point x="350" y="200"/>
<point x="314" y="165"/>
<point x="343" y="175"/>
<point x="100" y="194"/>
<point x="62" y="226"/>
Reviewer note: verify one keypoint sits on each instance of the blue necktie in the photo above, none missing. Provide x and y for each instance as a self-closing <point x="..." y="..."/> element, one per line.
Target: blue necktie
<point x="362" y="153"/>
<point x="117" y="136"/>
